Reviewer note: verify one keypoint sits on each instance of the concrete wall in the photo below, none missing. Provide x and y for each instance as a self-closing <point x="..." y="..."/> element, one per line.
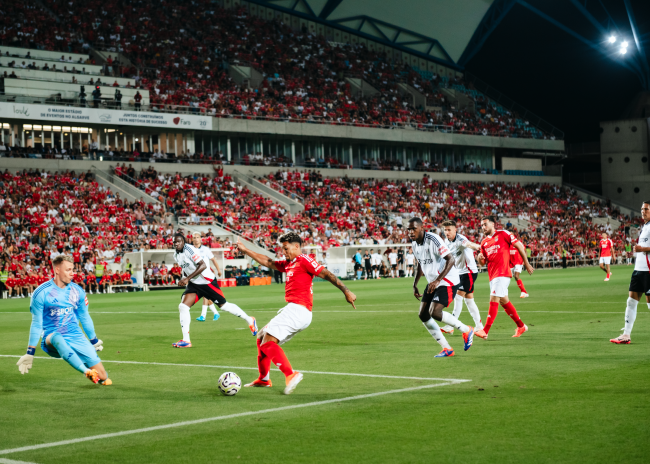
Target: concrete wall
<point x="82" y="79"/>
<point x="67" y="90"/>
<point x="35" y="53"/>
<point x="15" y="164"/>
<point x="521" y="164"/>
<point x="624" y="159"/>
<point x="90" y="68"/>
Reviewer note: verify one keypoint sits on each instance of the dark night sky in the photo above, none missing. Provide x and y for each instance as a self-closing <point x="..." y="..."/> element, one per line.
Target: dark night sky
<point x="555" y="75"/>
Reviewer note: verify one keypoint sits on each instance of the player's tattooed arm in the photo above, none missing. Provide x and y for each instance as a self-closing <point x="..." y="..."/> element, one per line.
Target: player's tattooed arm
<point x="331" y="278"/>
<point x="260" y="258"/>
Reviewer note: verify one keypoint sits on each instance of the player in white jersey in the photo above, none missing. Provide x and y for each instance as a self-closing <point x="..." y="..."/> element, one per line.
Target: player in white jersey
<point x="640" y="281"/>
<point x="410" y="260"/>
<point x="437" y="265"/>
<point x="392" y="259"/>
<point x="462" y="250"/>
<point x="375" y="259"/>
<point x="199" y="281"/>
<point x="206" y="253"/>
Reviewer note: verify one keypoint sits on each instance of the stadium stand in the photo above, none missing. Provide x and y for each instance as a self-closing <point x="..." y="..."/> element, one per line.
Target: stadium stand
<point x="183" y="66"/>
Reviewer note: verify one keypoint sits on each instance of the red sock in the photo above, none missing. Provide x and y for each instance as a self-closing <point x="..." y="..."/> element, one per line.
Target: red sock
<point x="521" y="286"/>
<point x="492" y="315"/>
<point x="276" y="354"/>
<point x="512" y="312"/>
<point x="263" y="361"/>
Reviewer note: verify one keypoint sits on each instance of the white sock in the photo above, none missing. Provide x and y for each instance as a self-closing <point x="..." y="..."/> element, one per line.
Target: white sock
<point x="235" y="310"/>
<point x="630" y="315"/>
<point x="432" y="326"/>
<point x="474" y="312"/>
<point x="213" y="309"/>
<point x="648" y="305"/>
<point x="458" y="306"/>
<point x="267" y="376"/>
<point x="204" y="310"/>
<point x="184" y="311"/>
<point x="454" y="322"/>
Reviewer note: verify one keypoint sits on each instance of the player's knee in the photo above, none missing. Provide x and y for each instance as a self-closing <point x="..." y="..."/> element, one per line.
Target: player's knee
<point x="182" y="307"/>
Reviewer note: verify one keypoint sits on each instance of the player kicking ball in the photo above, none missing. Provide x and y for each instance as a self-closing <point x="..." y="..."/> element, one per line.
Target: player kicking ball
<point x="640" y="281"/>
<point x="296" y="315"/>
<point x="57" y="307"/>
<point x="200" y="281"/>
<point x="206" y="253"/>
<point x="495" y="250"/>
<point x="437" y="264"/>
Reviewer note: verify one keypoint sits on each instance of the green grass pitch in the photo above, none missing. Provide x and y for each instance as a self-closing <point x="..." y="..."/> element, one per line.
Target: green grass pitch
<point x="560" y="393"/>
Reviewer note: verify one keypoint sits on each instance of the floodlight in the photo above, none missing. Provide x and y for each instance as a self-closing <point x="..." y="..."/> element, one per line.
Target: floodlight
<point x="623" y="51"/>
<point x="612" y="39"/>
<point x="624" y="44"/>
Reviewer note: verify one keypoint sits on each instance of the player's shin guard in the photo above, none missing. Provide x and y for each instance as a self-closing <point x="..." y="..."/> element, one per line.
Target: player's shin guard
<point x="67" y="353"/>
<point x="263" y="362"/>
<point x="235" y="310"/>
<point x="454" y="322"/>
<point x="184" y="311"/>
<point x="432" y="326"/>
<point x="520" y="284"/>
<point x="474" y="312"/>
<point x="458" y="306"/>
<point x="512" y="312"/>
<point x="630" y="315"/>
<point x="276" y="354"/>
<point x="492" y="315"/>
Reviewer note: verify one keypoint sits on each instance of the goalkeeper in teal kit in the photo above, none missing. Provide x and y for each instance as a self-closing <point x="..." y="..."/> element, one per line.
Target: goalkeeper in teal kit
<point x="57" y="307"/>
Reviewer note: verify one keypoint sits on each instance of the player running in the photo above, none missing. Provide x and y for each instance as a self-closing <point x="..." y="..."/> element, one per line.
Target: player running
<point x="462" y="250"/>
<point x="57" y="307"/>
<point x="200" y="281"/>
<point x="437" y="265"/>
<point x="206" y="253"/>
<point x="516" y="266"/>
<point x="296" y="315"/>
<point x="495" y="250"/>
<point x="606" y="255"/>
<point x="640" y="281"/>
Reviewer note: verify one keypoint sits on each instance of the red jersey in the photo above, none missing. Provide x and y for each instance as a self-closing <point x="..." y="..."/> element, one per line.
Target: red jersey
<point x="606" y="246"/>
<point x="11" y="282"/>
<point x="300" y="276"/>
<point x="78" y="278"/>
<point x="515" y="257"/>
<point x="496" y="250"/>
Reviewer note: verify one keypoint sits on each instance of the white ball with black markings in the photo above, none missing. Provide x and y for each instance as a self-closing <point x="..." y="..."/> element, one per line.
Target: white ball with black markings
<point x="229" y="383"/>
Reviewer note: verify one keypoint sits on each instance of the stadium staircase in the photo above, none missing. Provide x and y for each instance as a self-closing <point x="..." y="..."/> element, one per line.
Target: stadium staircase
<point x="127" y="190"/>
<point x="224" y="232"/>
<point x="419" y="100"/>
<point x="291" y="204"/>
<point x="360" y="87"/>
<point x="244" y="74"/>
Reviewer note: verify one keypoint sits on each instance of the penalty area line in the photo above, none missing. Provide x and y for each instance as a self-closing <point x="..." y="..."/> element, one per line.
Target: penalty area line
<point x="351" y="374"/>
<point x="11" y="461"/>
<point x="218" y="418"/>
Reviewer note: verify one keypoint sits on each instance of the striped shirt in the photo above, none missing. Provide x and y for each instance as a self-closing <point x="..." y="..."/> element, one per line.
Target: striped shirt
<point x="430" y="255"/>
<point x="189" y="260"/>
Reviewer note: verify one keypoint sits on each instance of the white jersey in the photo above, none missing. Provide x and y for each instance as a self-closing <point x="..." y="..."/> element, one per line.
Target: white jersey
<point x="642" y="262"/>
<point x="376" y="259"/>
<point x="189" y="260"/>
<point x="464" y="255"/>
<point x="430" y="256"/>
<point x="392" y="257"/>
<point x="410" y="258"/>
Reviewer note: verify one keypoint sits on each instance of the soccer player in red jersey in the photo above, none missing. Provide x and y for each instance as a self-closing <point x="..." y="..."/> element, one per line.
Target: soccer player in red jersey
<point x="606" y="255"/>
<point x="495" y="250"/>
<point x="296" y="315"/>
<point x="516" y="265"/>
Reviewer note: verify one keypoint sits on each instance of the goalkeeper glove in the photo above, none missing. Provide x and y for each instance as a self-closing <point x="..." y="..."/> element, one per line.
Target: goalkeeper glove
<point x="25" y="363"/>
<point x="98" y="344"/>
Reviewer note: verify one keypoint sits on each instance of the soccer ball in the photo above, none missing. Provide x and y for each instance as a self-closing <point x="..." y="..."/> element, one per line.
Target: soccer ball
<point x="229" y="383"/>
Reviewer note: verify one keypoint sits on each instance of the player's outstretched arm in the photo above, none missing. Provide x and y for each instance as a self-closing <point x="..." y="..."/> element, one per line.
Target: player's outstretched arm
<point x="522" y="251"/>
<point x="260" y="258"/>
<point x="36" y="308"/>
<point x="349" y="296"/>
<point x="472" y="246"/>
<point x="418" y="274"/>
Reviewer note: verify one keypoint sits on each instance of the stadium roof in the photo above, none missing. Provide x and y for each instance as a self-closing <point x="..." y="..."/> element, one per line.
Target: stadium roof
<point x="437" y="29"/>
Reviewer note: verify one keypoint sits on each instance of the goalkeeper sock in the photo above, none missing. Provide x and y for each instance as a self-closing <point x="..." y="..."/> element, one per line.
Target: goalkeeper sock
<point x="235" y="310"/>
<point x="213" y="309"/>
<point x="184" y="311"/>
<point x="67" y="353"/>
<point x="273" y="351"/>
<point x="204" y="310"/>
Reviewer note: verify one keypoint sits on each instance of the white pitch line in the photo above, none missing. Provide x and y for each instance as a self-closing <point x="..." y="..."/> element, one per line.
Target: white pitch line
<point x="217" y="418"/>
<point x="378" y="376"/>
<point x="11" y="461"/>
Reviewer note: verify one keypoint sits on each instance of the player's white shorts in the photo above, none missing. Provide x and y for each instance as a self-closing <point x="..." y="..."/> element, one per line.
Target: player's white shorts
<point x="518" y="268"/>
<point x="293" y="318"/>
<point x="605" y="260"/>
<point x="499" y="286"/>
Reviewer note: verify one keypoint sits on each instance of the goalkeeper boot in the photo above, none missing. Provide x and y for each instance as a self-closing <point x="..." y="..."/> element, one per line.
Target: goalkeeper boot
<point x="92" y="375"/>
<point x="106" y="382"/>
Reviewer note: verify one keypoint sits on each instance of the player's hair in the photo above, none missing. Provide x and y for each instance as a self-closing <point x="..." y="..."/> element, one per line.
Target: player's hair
<point x="290" y="237"/>
<point x="489" y="218"/>
<point x="416" y="220"/>
<point x="59" y="259"/>
<point x="180" y="236"/>
<point x="646" y="202"/>
<point x="449" y="223"/>
<point x="196" y="234"/>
